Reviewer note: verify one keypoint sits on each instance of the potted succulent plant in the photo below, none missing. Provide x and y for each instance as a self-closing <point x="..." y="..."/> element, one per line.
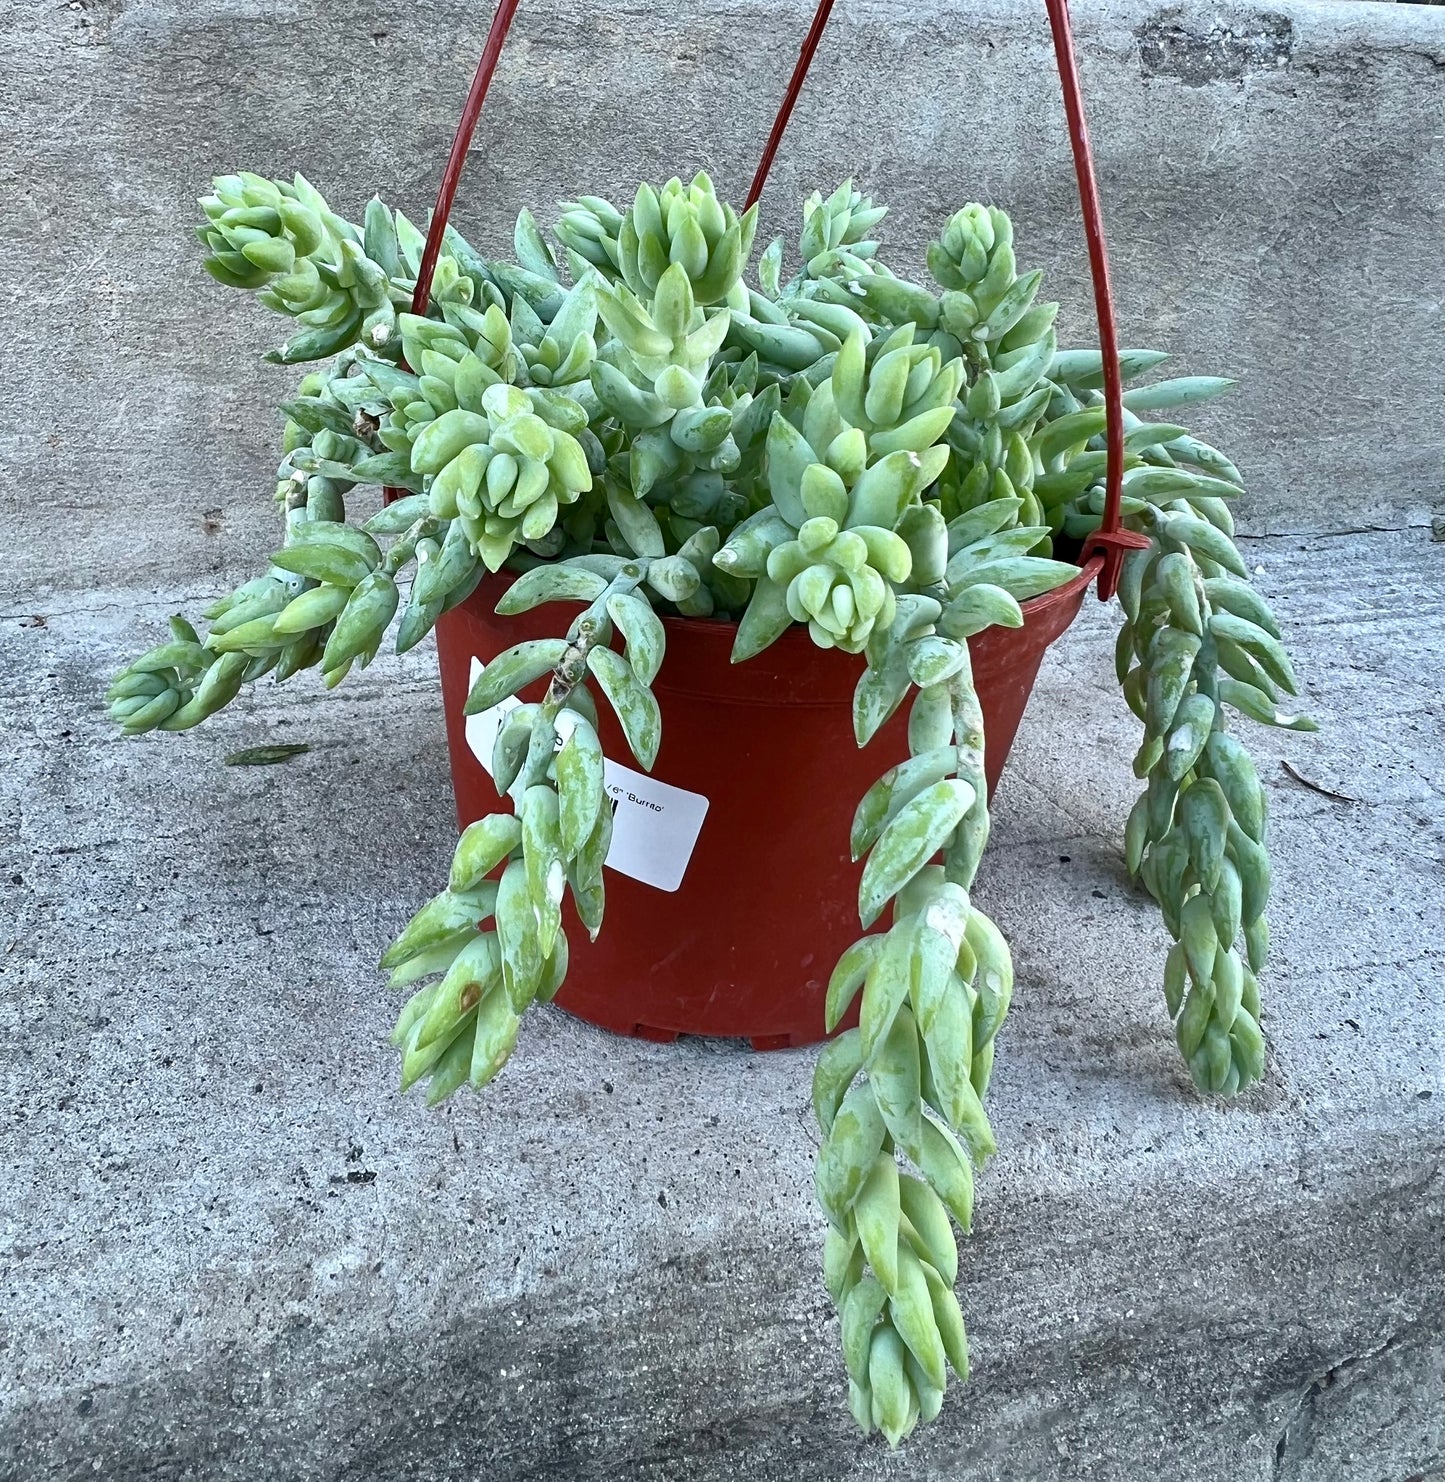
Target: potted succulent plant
<point x="880" y="478"/>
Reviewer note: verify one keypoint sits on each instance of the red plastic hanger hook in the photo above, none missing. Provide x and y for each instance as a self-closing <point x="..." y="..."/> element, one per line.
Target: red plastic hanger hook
<point x="1109" y="542"/>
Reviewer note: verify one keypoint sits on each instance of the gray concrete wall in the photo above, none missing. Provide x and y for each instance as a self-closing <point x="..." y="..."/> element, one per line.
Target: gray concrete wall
<point x="1273" y="179"/>
<point x="230" y="1253"/>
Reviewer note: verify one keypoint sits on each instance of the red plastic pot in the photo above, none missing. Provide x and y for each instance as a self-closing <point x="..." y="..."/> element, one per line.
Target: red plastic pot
<point x="744" y="945"/>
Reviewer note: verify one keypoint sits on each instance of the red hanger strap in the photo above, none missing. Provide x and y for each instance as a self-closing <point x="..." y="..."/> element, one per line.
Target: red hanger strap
<point x="471" y="111"/>
<point x="452" y="174"/>
<point x="1109" y="538"/>
<point x="795" y="86"/>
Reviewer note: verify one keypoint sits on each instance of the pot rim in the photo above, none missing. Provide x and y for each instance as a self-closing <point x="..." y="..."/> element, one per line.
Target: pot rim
<point x="793" y="670"/>
<point x="795" y="633"/>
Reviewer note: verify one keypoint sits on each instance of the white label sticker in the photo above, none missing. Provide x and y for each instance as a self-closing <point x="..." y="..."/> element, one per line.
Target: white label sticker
<point x="654" y="825"/>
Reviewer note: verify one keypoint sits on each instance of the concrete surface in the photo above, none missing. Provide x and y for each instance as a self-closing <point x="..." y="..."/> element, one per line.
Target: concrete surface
<point x="228" y="1250"/>
<point x="1273" y="176"/>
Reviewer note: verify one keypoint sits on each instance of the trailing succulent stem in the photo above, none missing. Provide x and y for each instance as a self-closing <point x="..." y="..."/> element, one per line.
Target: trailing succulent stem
<point x="1198" y="638"/>
<point x="627" y="425"/>
<point x="462" y="1025"/>
<point x="1198" y="642"/>
<point x="911" y="1077"/>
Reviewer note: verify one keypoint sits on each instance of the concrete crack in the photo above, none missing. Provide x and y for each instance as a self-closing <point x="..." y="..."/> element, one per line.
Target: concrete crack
<point x="1294" y="1434"/>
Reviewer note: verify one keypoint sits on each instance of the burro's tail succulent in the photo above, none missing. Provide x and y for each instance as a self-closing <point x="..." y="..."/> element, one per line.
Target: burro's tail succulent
<point x="897" y="469"/>
<point x="935" y="987"/>
<point x="283" y="240"/>
<point x="1199" y="639"/>
<point x="688" y="227"/>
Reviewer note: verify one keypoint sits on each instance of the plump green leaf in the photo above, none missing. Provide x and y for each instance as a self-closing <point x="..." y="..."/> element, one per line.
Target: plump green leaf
<point x="517" y="936"/>
<point x="580" y="786"/>
<point x="643" y="630"/>
<point x="514" y="670"/>
<point x="559" y="583"/>
<point x="764" y="621"/>
<point x="482" y="846"/>
<point x="876" y="1214"/>
<point x="848" y="1152"/>
<point x="788" y="458"/>
<point x="894" y="1072"/>
<point x="847" y="978"/>
<point x="910" y="841"/>
<point x="633" y="702"/>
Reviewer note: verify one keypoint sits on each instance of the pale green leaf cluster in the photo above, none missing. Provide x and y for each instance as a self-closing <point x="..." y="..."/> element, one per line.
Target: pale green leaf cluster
<point x="623" y="422"/>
